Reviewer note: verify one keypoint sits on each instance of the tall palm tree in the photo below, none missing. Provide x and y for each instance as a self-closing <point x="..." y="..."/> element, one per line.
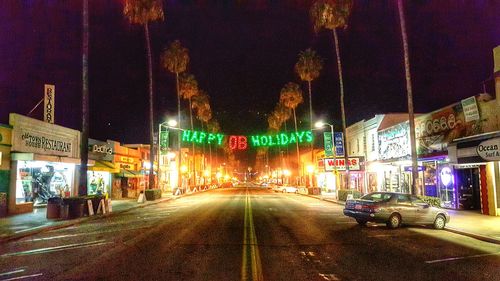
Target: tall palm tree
<point x="175" y="60"/>
<point x="200" y="102"/>
<point x="409" y="94"/>
<point x="84" y="142"/>
<point x="333" y="14"/>
<point x="213" y="127"/>
<point x="204" y="114"/>
<point x="309" y="67"/>
<point x="291" y="97"/>
<point x="188" y="88"/>
<point x="143" y="12"/>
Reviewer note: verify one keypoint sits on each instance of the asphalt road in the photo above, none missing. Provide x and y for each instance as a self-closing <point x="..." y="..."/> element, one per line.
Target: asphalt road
<point x="245" y="234"/>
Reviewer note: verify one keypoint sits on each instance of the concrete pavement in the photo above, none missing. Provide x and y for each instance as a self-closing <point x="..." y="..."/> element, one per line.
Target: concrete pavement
<point x="469" y="223"/>
<point x="21" y="225"/>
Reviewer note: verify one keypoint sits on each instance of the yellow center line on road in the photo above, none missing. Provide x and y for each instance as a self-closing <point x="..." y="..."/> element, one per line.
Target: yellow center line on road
<point x="251" y="267"/>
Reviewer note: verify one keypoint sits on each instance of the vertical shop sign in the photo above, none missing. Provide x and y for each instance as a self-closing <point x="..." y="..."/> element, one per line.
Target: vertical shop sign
<point x="49" y="103"/>
<point x="327" y="136"/>
<point x="471" y="112"/>
<point x="339" y="143"/>
<point x="163" y="142"/>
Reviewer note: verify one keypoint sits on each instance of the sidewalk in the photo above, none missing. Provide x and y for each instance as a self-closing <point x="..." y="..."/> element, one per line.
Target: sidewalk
<point x="17" y="226"/>
<point x="468" y="223"/>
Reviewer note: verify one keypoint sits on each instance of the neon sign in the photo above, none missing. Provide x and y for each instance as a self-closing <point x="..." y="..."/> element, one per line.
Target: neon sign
<point x="243" y="142"/>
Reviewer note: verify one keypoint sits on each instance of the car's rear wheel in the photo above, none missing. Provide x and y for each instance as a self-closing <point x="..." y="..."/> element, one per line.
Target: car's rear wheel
<point x="394" y="221"/>
<point x="361" y="222"/>
<point x="440" y="222"/>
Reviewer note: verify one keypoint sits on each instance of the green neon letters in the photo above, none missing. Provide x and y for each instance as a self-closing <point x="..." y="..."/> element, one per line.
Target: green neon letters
<point x="202" y="137"/>
<point x="281" y="139"/>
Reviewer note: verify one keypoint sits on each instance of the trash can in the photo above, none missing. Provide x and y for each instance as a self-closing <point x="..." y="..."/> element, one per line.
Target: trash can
<point x="54" y="208"/>
<point x="75" y="207"/>
<point x="64" y="211"/>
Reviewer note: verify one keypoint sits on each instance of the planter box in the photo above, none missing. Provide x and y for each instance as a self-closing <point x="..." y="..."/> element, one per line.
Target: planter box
<point x="153" y="194"/>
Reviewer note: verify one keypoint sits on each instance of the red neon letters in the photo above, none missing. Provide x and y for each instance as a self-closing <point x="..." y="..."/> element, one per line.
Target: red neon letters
<point x="238" y="142"/>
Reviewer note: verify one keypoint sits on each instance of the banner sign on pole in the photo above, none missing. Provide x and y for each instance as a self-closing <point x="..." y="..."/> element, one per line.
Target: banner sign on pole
<point x="49" y="103"/>
<point x="339" y="144"/>
<point x="163" y="142"/>
<point x="327" y="136"/>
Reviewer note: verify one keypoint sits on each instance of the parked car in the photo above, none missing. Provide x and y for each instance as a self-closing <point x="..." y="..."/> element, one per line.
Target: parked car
<point x="288" y="189"/>
<point x="395" y="209"/>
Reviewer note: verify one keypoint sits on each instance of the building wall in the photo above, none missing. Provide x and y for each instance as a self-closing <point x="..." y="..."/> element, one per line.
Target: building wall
<point x="355" y="139"/>
<point x="370" y="131"/>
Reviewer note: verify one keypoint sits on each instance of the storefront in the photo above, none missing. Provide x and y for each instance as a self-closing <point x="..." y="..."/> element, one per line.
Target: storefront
<point x="476" y="172"/>
<point x="332" y="167"/>
<point x="99" y="175"/>
<point x="127" y="182"/>
<point x="43" y="159"/>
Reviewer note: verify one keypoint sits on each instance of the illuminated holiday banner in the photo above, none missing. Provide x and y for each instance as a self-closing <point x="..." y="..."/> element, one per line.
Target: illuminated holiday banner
<point x="242" y="142"/>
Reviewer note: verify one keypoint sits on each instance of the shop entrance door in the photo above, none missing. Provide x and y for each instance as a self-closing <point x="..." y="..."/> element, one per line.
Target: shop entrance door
<point x="468" y="189"/>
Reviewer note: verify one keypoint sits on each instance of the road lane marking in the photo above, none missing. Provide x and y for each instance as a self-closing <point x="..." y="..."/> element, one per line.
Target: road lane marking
<point x="251" y="267"/>
<point x="28" y="229"/>
<point x="56" y="249"/>
<point x="329" y="277"/>
<point x="463" y="258"/>
<point x="23" y="277"/>
<point x="12" y="272"/>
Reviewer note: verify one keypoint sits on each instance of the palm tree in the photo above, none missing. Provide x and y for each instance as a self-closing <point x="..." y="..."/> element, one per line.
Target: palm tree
<point x="143" y="12"/>
<point x="204" y="114"/>
<point x="308" y="67"/>
<point x="200" y="102"/>
<point x="409" y="94"/>
<point x="291" y="97"/>
<point x="84" y="142"/>
<point x="213" y="127"/>
<point x="175" y="60"/>
<point x="333" y="14"/>
<point x="188" y="88"/>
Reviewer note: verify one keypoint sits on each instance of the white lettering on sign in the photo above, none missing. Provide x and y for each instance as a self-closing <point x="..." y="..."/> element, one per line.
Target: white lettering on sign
<point x="102" y="149"/>
<point x="489" y="150"/>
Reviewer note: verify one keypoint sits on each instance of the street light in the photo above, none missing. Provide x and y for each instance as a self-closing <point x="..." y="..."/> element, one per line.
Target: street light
<point x="170" y="124"/>
<point x="320" y="124"/>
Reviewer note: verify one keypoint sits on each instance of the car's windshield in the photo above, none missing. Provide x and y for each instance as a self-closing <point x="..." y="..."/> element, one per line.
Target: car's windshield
<point x="377" y="197"/>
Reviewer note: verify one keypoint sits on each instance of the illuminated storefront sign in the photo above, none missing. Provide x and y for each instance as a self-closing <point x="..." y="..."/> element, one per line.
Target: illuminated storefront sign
<point x="394" y="142"/>
<point x="489" y="150"/>
<point x="243" y="142"/>
<point x="339" y="164"/>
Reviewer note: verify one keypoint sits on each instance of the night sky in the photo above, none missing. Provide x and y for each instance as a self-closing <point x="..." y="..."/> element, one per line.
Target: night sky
<point x="241" y="54"/>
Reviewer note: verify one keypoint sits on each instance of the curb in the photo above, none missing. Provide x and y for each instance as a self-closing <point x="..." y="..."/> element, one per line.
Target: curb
<point x="79" y="220"/>
<point x="449" y="229"/>
<point x="473" y="235"/>
<point x="328" y="200"/>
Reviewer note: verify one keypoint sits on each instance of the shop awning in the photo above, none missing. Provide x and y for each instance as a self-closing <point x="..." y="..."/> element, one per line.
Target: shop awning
<point x="130" y="174"/>
<point x="105" y="166"/>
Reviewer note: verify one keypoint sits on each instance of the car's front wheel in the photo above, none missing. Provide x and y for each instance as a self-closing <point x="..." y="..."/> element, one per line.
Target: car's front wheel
<point x="440" y="222"/>
<point x="394" y="221"/>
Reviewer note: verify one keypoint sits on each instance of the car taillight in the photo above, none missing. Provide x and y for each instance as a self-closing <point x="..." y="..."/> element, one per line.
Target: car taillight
<point x="372" y="208"/>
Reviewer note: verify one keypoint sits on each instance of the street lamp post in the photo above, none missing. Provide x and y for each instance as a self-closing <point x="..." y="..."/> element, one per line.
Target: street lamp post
<point x="170" y="124"/>
<point x="321" y="124"/>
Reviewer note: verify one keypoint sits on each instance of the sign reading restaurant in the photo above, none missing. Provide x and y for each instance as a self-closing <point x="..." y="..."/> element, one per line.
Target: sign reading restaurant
<point x="35" y="136"/>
